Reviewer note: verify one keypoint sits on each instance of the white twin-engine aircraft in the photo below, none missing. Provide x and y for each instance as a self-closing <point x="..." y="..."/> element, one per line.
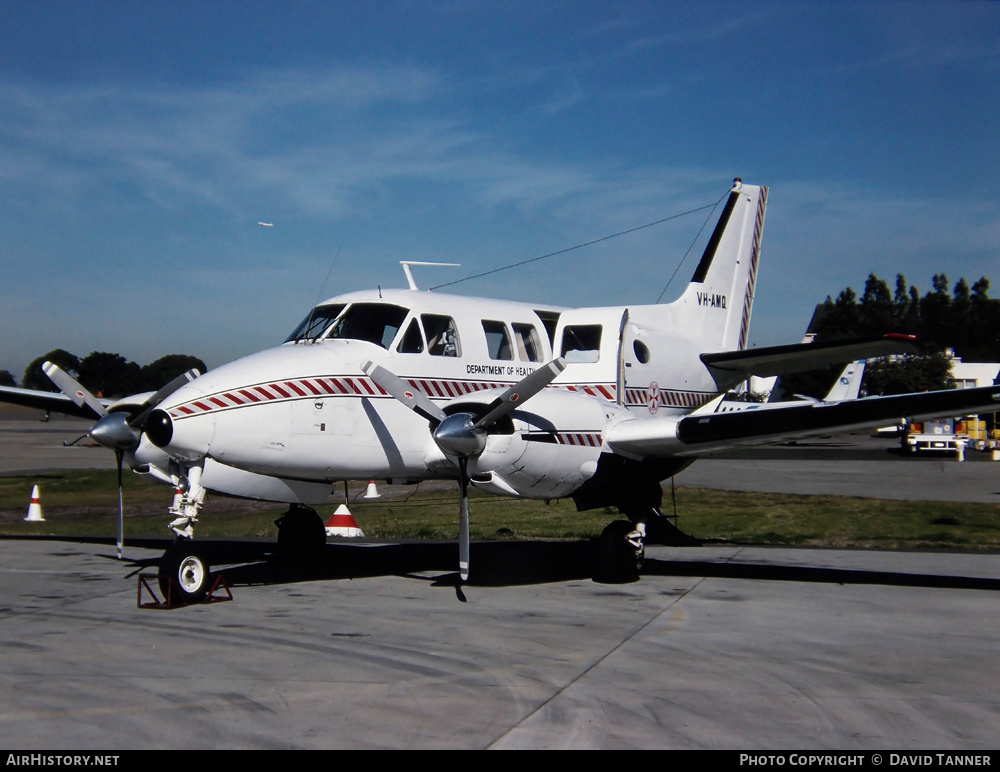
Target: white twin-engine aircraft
<point x="518" y="399"/>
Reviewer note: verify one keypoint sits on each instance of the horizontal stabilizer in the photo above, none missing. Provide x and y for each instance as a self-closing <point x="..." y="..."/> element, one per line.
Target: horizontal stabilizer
<point x="703" y="433"/>
<point x="730" y="367"/>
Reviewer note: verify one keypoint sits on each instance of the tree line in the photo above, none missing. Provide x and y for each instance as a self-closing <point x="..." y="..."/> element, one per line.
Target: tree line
<point x="963" y="318"/>
<point x="106" y="374"/>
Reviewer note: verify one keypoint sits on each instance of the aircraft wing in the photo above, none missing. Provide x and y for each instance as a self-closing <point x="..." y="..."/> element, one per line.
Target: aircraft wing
<point x="731" y="367"/>
<point x="46" y="400"/>
<point x="705" y="432"/>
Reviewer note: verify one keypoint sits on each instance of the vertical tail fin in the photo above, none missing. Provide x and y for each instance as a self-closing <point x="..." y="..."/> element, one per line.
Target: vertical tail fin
<point x="716" y="305"/>
<point x="848" y="383"/>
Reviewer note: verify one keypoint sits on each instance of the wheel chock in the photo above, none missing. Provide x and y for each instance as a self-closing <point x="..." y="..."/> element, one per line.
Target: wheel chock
<point x="146" y="582"/>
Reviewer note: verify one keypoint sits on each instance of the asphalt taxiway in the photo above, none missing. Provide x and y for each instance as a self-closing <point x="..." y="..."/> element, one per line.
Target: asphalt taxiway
<point x="715" y="647"/>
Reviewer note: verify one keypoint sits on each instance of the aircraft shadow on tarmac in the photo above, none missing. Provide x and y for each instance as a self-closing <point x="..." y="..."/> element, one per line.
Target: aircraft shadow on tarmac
<point x="770" y="572"/>
<point x="494" y="563"/>
<point x="512" y="563"/>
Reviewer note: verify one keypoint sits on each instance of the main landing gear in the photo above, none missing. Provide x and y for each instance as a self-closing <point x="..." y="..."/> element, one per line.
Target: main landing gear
<point x="621" y="548"/>
<point x="301" y="536"/>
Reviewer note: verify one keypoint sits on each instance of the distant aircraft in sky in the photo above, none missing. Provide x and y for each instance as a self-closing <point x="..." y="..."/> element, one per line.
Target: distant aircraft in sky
<point x="265" y="224"/>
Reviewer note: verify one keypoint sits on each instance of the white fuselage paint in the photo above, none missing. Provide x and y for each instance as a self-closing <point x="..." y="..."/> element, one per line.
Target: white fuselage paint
<point x="306" y="411"/>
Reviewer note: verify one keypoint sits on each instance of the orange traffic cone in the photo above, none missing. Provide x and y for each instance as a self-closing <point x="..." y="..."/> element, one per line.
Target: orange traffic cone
<point x="342" y="523"/>
<point x="371" y="492"/>
<point x="34" y="508"/>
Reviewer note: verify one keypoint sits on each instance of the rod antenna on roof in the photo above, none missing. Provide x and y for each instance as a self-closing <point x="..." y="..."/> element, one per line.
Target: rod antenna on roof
<point x="409" y="275"/>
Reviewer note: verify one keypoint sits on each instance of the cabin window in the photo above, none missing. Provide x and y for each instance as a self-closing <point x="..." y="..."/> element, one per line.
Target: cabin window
<point x="582" y="342"/>
<point x="497" y="340"/>
<point x="314" y="325"/>
<point x="376" y="323"/>
<point x="412" y="342"/>
<point x="526" y="339"/>
<point x="641" y="351"/>
<point x="442" y="336"/>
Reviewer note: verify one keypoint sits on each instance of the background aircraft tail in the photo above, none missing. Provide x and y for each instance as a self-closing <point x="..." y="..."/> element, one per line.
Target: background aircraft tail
<point x="848" y="384"/>
<point x="715" y="307"/>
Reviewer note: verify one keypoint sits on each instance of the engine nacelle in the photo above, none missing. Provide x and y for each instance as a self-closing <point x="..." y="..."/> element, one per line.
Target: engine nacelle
<point x="549" y="449"/>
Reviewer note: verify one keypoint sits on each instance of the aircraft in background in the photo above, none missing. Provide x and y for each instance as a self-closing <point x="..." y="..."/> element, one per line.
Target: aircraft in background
<point x="847" y="386"/>
<point x="517" y="399"/>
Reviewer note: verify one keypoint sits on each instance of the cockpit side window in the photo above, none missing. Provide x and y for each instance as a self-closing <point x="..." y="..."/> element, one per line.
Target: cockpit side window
<point x="442" y="336"/>
<point x="412" y="342"/>
<point x="528" y="346"/>
<point x="376" y="323"/>
<point x="582" y="342"/>
<point x="497" y="340"/>
<point x="314" y="325"/>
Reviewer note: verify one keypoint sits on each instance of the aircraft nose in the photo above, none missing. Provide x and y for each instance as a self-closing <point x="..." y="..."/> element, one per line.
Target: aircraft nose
<point x="159" y="428"/>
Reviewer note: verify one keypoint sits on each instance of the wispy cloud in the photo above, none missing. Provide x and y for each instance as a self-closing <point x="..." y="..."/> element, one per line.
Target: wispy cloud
<point x="181" y="144"/>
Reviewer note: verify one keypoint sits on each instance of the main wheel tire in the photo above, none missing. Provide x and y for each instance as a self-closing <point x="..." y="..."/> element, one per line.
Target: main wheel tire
<point x="184" y="574"/>
<point x="618" y="562"/>
<point x="301" y="536"/>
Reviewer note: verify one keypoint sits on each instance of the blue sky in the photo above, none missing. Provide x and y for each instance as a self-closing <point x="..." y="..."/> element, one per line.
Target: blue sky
<point x="140" y="143"/>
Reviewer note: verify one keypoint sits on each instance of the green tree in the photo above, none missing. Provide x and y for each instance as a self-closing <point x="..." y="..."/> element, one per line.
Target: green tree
<point x="110" y="375"/>
<point x="6" y="379"/>
<point x="935" y="313"/>
<point x="906" y="374"/>
<point x="165" y="369"/>
<point x="983" y="344"/>
<point x="877" y="310"/>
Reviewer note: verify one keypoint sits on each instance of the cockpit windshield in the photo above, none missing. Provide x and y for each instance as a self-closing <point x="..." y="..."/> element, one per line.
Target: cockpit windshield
<point x="314" y="325"/>
<point x="376" y="323"/>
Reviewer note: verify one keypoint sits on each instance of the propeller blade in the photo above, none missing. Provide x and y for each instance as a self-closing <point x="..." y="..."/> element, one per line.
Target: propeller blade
<point x="413" y="398"/>
<point x="119" y="454"/>
<point x="138" y="418"/>
<point x="73" y="389"/>
<point x="521" y="392"/>
<point x="463" y="521"/>
<point x="456" y="434"/>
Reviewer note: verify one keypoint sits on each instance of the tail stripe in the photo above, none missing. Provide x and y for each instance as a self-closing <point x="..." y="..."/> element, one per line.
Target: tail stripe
<point x="758" y="230"/>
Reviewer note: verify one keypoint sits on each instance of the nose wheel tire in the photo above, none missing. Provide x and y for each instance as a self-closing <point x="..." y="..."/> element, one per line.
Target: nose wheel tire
<point x="184" y="574"/>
